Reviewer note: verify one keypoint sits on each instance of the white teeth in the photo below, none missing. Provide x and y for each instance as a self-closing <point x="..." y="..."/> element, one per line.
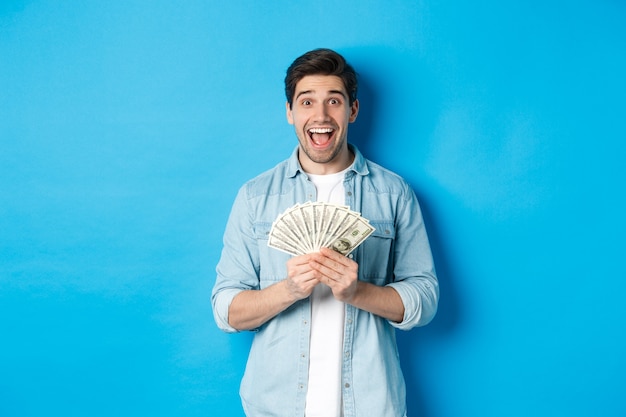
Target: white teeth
<point x="321" y="130"/>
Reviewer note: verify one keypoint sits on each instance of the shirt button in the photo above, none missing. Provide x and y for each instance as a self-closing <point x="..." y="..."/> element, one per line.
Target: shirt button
<point x="351" y="256"/>
<point x="349" y="193"/>
<point x="347" y="385"/>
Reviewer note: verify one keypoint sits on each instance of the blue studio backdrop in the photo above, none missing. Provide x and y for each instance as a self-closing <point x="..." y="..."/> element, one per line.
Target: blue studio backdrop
<point x="126" y="128"/>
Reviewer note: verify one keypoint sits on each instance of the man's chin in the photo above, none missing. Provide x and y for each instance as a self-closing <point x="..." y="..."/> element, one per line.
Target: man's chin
<point x="321" y="156"/>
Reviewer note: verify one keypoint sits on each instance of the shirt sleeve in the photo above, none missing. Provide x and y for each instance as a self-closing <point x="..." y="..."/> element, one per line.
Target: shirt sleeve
<point x="237" y="269"/>
<point x="415" y="279"/>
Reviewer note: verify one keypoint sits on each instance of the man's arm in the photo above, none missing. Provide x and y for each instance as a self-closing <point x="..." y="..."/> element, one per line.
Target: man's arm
<point x="252" y="308"/>
<point x="382" y="301"/>
<point x="341" y="275"/>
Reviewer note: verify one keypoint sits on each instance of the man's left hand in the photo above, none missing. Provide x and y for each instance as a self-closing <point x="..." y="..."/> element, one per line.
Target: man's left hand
<point x="337" y="271"/>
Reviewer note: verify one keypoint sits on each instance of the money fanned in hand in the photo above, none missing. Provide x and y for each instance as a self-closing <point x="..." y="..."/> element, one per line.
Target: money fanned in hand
<point x="305" y="228"/>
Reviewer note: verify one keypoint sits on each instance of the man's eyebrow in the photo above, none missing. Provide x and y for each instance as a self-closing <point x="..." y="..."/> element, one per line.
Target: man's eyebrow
<point x="301" y="93"/>
<point x="340" y="92"/>
<point x="331" y="92"/>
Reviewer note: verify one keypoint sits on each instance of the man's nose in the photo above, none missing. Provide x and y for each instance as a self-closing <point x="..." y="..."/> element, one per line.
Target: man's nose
<point x="321" y="112"/>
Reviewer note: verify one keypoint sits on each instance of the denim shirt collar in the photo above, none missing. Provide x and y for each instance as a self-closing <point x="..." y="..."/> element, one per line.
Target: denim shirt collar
<point x="359" y="165"/>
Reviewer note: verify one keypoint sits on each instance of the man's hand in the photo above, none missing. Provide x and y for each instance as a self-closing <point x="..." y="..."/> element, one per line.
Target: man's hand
<point x="252" y="308"/>
<point x="301" y="278"/>
<point x="339" y="272"/>
<point x="341" y="275"/>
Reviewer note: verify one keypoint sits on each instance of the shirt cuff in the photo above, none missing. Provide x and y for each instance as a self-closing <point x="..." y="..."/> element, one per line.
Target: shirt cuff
<point x="418" y="311"/>
<point x="221" y="304"/>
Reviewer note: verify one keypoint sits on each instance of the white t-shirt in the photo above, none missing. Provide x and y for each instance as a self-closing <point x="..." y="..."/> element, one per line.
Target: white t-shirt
<point x="327" y="324"/>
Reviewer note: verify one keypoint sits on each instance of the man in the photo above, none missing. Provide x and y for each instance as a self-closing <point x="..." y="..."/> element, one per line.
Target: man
<point x="324" y="323"/>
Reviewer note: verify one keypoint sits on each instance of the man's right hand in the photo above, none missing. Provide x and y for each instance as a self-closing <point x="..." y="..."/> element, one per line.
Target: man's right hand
<point x="300" y="277"/>
<point x="252" y="308"/>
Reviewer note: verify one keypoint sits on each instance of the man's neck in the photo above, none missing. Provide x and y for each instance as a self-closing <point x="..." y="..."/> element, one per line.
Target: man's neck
<point x="339" y="164"/>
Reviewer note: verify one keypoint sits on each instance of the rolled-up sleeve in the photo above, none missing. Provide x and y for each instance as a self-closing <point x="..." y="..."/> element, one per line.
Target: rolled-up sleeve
<point x="415" y="279"/>
<point x="237" y="269"/>
<point x="420" y="298"/>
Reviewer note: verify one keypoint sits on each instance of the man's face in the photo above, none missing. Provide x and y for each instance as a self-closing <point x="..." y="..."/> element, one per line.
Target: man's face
<point x="320" y="115"/>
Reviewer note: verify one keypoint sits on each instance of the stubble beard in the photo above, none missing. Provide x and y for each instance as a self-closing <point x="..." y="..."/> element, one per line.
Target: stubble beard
<point x="321" y="157"/>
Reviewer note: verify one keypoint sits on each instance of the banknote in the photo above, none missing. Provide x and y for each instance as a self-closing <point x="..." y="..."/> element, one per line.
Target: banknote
<point x="305" y="228"/>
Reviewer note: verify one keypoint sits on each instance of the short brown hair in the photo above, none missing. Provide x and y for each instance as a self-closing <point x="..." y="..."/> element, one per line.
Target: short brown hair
<point x="321" y="62"/>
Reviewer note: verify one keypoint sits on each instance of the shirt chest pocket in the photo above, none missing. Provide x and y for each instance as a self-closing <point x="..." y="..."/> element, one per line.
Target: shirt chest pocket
<point x="376" y="258"/>
<point x="271" y="264"/>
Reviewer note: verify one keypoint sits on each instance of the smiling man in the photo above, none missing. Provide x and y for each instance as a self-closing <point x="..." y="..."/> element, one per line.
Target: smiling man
<point x="324" y="323"/>
<point x="320" y="112"/>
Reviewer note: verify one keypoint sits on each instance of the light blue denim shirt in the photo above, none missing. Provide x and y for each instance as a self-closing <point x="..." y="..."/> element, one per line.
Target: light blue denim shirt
<point x="397" y="254"/>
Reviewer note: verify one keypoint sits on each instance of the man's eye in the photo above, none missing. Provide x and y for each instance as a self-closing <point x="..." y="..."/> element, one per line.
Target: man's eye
<point x="333" y="101"/>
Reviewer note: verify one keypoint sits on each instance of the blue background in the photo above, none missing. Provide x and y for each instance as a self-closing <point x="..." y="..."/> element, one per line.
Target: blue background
<point x="126" y="128"/>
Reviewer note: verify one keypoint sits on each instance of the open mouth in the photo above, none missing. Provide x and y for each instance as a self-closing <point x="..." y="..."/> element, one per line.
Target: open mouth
<point x="321" y="136"/>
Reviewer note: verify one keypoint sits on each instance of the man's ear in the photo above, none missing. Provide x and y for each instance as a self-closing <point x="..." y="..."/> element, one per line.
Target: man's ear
<point x="289" y="115"/>
<point x="354" y="110"/>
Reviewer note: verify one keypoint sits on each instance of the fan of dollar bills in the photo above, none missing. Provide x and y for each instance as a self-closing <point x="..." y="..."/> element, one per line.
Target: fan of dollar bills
<point x="305" y="228"/>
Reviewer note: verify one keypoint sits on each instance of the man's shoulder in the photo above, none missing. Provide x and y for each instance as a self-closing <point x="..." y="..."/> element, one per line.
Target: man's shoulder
<point x="266" y="180"/>
<point x="380" y="170"/>
<point x="383" y="178"/>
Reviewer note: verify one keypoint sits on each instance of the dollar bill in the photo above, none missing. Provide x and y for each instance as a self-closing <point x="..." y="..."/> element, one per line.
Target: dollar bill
<point x="305" y="228"/>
